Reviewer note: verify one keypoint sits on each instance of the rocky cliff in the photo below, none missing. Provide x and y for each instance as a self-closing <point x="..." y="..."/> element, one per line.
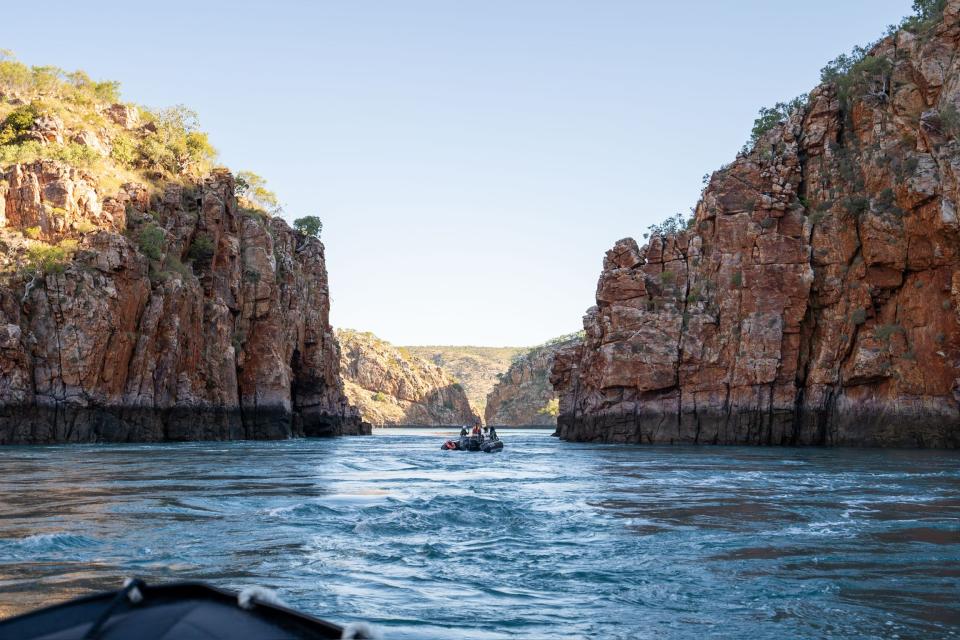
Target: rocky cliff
<point x="523" y="396"/>
<point x="815" y="299"/>
<point x="393" y="387"/>
<point x="154" y="310"/>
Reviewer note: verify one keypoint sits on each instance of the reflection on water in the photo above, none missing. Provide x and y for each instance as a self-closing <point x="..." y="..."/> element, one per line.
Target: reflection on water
<point x="545" y="538"/>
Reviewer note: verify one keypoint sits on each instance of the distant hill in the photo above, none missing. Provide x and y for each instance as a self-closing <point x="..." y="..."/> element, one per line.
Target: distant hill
<point x="476" y="368"/>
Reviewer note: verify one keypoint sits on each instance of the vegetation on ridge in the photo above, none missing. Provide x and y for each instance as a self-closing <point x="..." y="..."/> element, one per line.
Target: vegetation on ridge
<point x="770" y="117"/>
<point x="926" y="13"/>
<point x="252" y="193"/>
<point x="167" y="144"/>
<point x="671" y="226"/>
<point x="552" y="342"/>
<point x="47" y="113"/>
<point x="43" y="259"/>
<point x="854" y="75"/>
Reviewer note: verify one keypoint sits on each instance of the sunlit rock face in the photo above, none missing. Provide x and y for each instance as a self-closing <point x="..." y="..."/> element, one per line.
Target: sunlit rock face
<point x="523" y="396"/>
<point x="176" y="316"/>
<point x="392" y="387"/>
<point x="815" y="298"/>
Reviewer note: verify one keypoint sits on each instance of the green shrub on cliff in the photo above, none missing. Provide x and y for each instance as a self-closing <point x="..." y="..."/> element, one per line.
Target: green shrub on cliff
<point x="85" y="226"/>
<point x="858" y="74"/>
<point x="13" y="74"/>
<point x="886" y="331"/>
<point x="45" y="259"/>
<point x="77" y="155"/>
<point x="17" y="123"/>
<point x="770" y="117"/>
<point x="856" y="206"/>
<point x="950" y="120"/>
<point x="309" y="225"/>
<point x="17" y="153"/>
<point x="552" y="408"/>
<point x="124" y="150"/>
<point x="669" y="227"/>
<point x="201" y="249"/>
<point x="150" y="241"/>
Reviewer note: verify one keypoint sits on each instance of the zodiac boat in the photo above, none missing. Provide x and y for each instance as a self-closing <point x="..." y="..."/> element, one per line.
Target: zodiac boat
<point x="473" y="443"/>
<point x="176" y="611"/>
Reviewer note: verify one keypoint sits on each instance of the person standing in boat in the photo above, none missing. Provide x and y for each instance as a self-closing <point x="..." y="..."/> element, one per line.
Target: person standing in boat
<point x="492" y="432"/>
<point x="463" y="431"/>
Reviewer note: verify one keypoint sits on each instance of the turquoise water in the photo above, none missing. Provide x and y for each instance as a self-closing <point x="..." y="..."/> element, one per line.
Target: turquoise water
<point x="546" y="539"/>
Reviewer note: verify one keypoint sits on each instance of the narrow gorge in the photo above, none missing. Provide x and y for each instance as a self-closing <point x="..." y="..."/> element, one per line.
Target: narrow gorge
<point x="814" y="298"/>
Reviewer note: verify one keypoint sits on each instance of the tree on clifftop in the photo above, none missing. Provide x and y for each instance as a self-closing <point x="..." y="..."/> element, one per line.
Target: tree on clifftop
<point x="252" y="193"/>
<point x="309" y="225"/>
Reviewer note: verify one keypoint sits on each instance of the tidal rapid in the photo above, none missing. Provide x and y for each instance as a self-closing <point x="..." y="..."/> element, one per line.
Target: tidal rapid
<point x="546" y="539"/>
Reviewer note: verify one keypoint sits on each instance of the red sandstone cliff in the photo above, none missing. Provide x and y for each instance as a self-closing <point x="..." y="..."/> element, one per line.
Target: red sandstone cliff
<point x="168" y="317"/>
<point x="816" y="298"/>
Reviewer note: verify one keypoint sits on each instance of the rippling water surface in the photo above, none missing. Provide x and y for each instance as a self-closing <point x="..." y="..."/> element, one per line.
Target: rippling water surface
<point x="546" y="539"/>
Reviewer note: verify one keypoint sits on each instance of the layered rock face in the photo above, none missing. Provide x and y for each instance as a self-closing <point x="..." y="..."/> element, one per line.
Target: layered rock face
<point x="816" y="298"/>
<point x="392" y="387"/>
<point x="172" y="316"/>
<point x="524" y="396"/>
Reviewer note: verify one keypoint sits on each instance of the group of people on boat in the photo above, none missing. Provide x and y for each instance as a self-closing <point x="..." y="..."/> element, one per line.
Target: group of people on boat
<point x="476" y="439"/>
<point x="478" y="433"/>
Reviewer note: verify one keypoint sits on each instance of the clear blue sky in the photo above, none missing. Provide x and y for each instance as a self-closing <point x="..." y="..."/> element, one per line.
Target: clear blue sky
<point x="472" y="160"/>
